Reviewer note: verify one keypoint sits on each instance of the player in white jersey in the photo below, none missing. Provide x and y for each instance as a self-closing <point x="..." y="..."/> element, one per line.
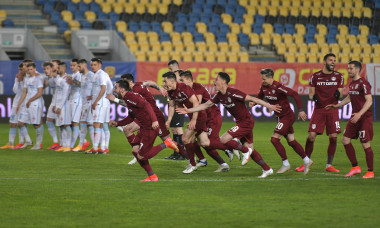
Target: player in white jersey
<point x="99" y="106"/>
<point x="51" y="116"/>
<point x="86" y="115"/>
<point x="62" y="107"/>
<point x="75" y="99"/>
<point x="32" y="94"/>
<point x="18" y="87"/>
<point x="106" y="132"/>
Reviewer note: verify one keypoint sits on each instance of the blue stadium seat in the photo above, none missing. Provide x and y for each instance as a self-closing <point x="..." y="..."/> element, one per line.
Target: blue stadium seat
<point x="82" y="6"/>
<point x="331" y="38"/>
<point x="182" y="18"/>
<point x="86" y="25"/>
<point x="78" y="15"/>
<point x="198" y="37"/>
<point x="238" y="19"/>
<point x="113" y="17"/>
<point x="199" y="2"/>
<point x="289" y="28"/>
<point x="213" y="28"/>
<point x="373" y="39"/>
<point x="207" y="9"/>
<point x="310" y="29"/>
<point x="8" y="23"/>
<point x="212" y="2"/>
<point x="230" y="10"/>
<point x="164" y="36"/>
<point x="354" y="30"/>
<point x="196" y="8"/>
<point x="215" y="18"/>
<point x="332" y="29"/>
<point x="133" y="26"/>
<point x="221" y="37"/>
<point x="156" y="26"/>
<point x="309" y="38"/>
<point x="232" y="3"/>
<point x="240" y="10"/>
<point x="205" y="19"/>
<point x="71" y="6"/>
<point x="178" y="27"/>
<point x="259" y="19"/>
<point x="62" y="26"/>
<point x="144" y="26"/>
<point x="221" y="2"/>
<point x="223" y="28"/>
<point x="41" y="2"/>
<point x="191" y="28"/>
<point x="278" y="28"/>
<point x="257" y="28"/>
<point x="95" y="7"/>
<point x="48" y="7"/>
<point x="55" y="17"/>
<point x="195" y="15"/>
<point x="243" y="39"/>
<point x="102" y="16"/>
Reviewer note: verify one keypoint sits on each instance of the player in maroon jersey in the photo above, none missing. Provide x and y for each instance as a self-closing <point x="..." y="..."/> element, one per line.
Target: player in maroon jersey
<point x="361" y="122"/>
<point x="326" y="87"/>
<point x="213" y="123"/>
<point x="234" y="101"/>
<point x="276" y="93"/>
<point x="140" y="109"/>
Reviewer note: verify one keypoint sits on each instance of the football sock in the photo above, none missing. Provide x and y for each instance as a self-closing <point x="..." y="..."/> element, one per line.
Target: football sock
<point x="286" y="162"/>
<point x="12" y="135"/>
<point x="107" y="134"/>
<point x="63" y="137"/>
<point x="91" y="132"/>
<point x="25" y="133"/>
<point x="216" y="144"/>
<point x="39" y="134"/>
<point x="214" y="154"/>
<point x="309" y="147"/>
<point x="103" y="140"/>
<point x="297" y="148"/>
<point x="198" y="151"/>
<point x="21" y="139"/>
<point x="279" y="148"/>
<point x="52" y="131"/>
<point x="232" y="144"/>
<point x="131" y="138"/>
<point x="369" y="158"/>
<point x="75" y="136"/>
<point x="155" y="150"/>
<point x="97" y="136"/>
<point x="83" y="133"/>
<point x="68" y="136"/>
<point x="190" y="152"/>
<point x="331" y="150"/>
<point x="182" y="151"/>
<point x="60" y="130"/>
<point x="259" y="160"/>
<point x="350" y="151"/>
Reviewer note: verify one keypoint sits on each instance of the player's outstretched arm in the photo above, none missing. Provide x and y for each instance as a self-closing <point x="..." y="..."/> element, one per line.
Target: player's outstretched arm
<point x="345" y="101"/>
<point x="198" y="108"/>
<point x="156" y="86"/>
<point x="275" y="108"/>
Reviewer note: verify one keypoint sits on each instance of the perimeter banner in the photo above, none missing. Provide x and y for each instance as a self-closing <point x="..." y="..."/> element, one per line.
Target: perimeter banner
<point x="244" y="76"/>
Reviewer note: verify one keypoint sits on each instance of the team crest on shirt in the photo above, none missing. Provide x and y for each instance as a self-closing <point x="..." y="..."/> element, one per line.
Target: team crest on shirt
<point x="333" y="78"/>
<point x="273" y="91"/>
<point x="356" y="86"/>
<point x="229" y="99"/>
<point x="313" y="126"/>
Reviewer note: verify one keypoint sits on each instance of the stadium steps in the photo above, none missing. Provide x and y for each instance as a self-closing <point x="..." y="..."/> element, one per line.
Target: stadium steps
<point x="25" y="13"/>
<point x="263" y="54"/>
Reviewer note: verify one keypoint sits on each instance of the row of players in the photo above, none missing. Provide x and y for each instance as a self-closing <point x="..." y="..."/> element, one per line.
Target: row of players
<point x="326" y="87"/>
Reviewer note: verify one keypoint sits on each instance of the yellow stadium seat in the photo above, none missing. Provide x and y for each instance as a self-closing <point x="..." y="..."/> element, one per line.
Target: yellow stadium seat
<point x="367" y="50"/>
<point x="296" y="3"/>
<point x="283" y="11"/>
<point x="300" y="29"/>
<point x="301" y="58"/>
<point x="286" y="3"/>
<point x="190" y="47"/>
<point x="264" y="3"/>
<point x="187" y="57"/>
<point x="346" y="12"/>
<point x="90" y="16"/>
<point x="243" y="57"/>
<point x="316" y="12"/>
<point x="319" y="39"/>
<point x="209" y="37"/>
<point x="155" y="46"/>
<point x="129" y="8"/>
<point x="354" y="57"/>
<point x="3" y="14"/>
<point x="324" y="48"/>
<point x="326" y="12"/>
<point x="358" y="4"/>
<point x="267" y="28"/>
<point x="221" y="57"/>
<point x="118" y="7"/>
<point x="130" y="42"/>
<point x="375" y="58"/>
<point x="201" y="47"/>
<point x="317" y="4"/>
<point x="152" y="8"/>
<point x="366" y="59"/>
<point x="235" y="28"/>
<point x="348" y="3"/>
<point x="352" y="40"/>
<point x="75" y="1"/>
<point x="275" y="3"/>
<point x="251" y="11"/>
<point x="68" y="16"/>
<point x="248" y="19"/>
<point x="144" y="47"/>
<point x="223" y="47"/>
<point x="294" y="11"/>
<point x="290" y="58"/>
<point x="175" y="37"/>
<point x="187" y="37"/>
<point x="167" y="26"/>
<point x="226" y="18"/>
<point x="129" y="35"/>
<point x="152" y="56"/>
<point x="175" y="55"/>
<point x="292" y="49"/>
<point x="67" y="35"/>
<point x="254" y="38"/>
<point x="177" y="2"/>
<point x="357" y="49"/>
<point x="272" y="11"/>
<point x="337" y="4"/>
<point x="166" y="2"/>
<point x="265" y="39"/>
<point x="201" y="27"/>
<point x="334" y="48"/>
<point x="362" y="40"/>
<point x="276" y="38"/>
<point x="281" y="48"/>
<point x="153" y="36"/>
<point x="163" y="10"/>
<point x="235" y="47"/>
<point x="376" y="49"/>
<point x="312" y="58"/>
<point x="141" y="37"/>
<point x="345" y="49"/>
<point x="140" y="9"/>
<point x="261" y="10"/>
<point x="212" y="47"/>
<point x="364" y="30"/>
<point x="106" y="8"/>
<point x="306" y="3"/>
<point x="232" y="57"/>
<point x="302" y="48"/>
<point x="140" y="56"/>
<point x="121" y="26"/>
<point x="245" y="28"/>
<point x="87" y="1"/>
<point x="356" y="12"/>
<point x="305" y="12"/>
<point x="209" y="57"/>
<point x="143" y="2"/>
<point x="167" y="46"/>
<point x="342" y="29"/>
<point x="178" y="47"/>
<point x="322" y="29"/>
<point x="321" y="56"/>
<point x="287" y="38"/>
<point x="164" y="57"/>
<point x="341" y="39"/>
<point x="313" y="48"/>
<point x="231" y="37"/>
<point x="367" y="12"/>
<point x="344" y="58"/>
<point x="74" y="25"/>
<point x="198" y="57"/>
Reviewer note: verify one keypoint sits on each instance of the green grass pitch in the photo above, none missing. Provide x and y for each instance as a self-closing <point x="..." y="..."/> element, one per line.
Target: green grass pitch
<point x="54" y="189"/>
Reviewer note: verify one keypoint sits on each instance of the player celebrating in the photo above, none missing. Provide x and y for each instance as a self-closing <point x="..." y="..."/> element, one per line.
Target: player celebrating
<point x="326" y="87"/>
<point x="62" y="107"/>
<point x="140" y="109"/>
<point x="361" y="122"/>
<point x="234" y="101"/>
<point x="32" y="93"/>
<point x="276" y="93"/>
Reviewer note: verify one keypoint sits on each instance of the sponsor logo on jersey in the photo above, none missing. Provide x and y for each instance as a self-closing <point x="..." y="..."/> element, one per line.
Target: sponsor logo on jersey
<point x="327" y="83"/>
<point x="271" y="98"/>
<point x="333" y="78"/>
<point x="238" y="96"/>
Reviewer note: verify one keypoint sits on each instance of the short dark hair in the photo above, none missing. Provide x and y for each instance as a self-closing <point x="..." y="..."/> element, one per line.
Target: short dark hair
<point x="75" y="61"/>
<point x="267" y="72"/>
<point x="62" y="64"/>
<point x="123" y="84"/>
<point x="328" y="55"/>
<point x="56" y="60"/>
<point x="27" y="61"/>
<point x="357" y="64"/>
<point x="173" y="62"/>
<point x="82" y="61"/>
<point x="224" y="76"/>
<point x="187" y="74"/>
<point x="31" y="65"/>
<point x="128" y="77"/>
<point x="179" y="71"/>
<point x="170" y="75"/>
<point x="20" y="65"/>
<point x="99" y="60"/>
<point x="45" y="64"/>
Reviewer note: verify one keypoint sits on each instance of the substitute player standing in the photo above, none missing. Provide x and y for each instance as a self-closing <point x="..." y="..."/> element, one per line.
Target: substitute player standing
<point x="361" y="122"/>
<point x="276" y="93"/>
<point x="326" y="87"/>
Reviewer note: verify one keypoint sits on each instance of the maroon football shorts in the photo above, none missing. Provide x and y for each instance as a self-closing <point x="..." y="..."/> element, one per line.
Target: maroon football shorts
<point x="244" y="133"/>
<point x="320" y="119"/>
<point x="285" y="125"/>
<point x="145" y="139"/>
<point x="213" y="126"/>
<point x="362" y="129"/>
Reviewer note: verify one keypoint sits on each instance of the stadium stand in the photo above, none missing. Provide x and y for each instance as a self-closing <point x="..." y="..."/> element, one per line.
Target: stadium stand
<point x="4" y="22"/>
<point x="223" y="30"/>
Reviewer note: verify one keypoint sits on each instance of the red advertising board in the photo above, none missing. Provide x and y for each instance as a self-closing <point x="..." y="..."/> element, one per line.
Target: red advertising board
<point x="244" y="76"/>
